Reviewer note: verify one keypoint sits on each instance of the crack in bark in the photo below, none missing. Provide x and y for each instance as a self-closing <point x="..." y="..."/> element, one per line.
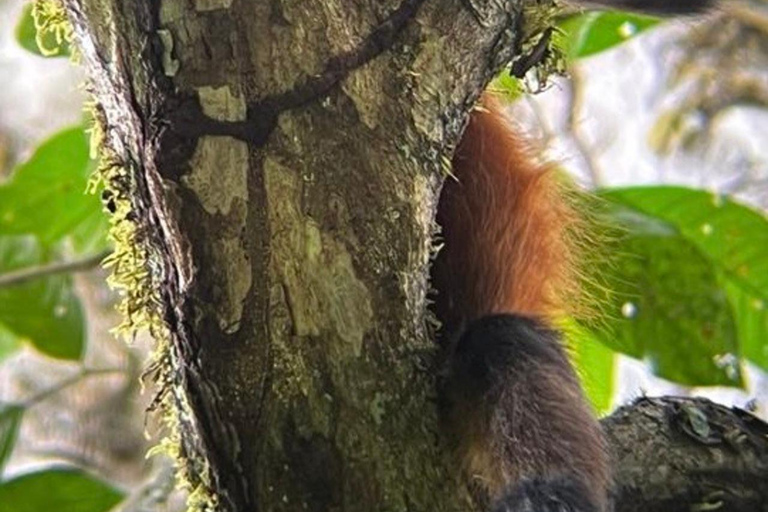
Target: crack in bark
<point x="262" y="116"/>
<point x="475" y="12"/>
<point x="536" y="56"/>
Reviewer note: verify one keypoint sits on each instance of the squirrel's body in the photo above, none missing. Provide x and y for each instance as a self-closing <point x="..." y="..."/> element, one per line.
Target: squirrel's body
<point x="523" y="430"/>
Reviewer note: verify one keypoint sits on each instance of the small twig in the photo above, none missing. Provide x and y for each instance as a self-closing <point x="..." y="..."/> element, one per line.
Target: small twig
<point x="576" y="99"/>
<point x="549" y="136"/>
<point x="84" y="373"/>
<point x="27" y="274"/>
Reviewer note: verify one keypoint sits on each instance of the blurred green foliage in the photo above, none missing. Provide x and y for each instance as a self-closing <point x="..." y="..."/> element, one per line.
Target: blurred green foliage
<point x="57" y="489"/>
<point x="588" y="33"/>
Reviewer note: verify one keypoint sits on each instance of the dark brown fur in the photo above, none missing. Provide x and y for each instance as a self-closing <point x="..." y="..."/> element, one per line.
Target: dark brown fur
<point x="512" y="400"/>
<point x="518" y="413"/>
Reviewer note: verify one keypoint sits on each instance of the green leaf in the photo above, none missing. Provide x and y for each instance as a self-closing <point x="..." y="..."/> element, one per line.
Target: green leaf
<point x="90" y="236"/>
<point x="507" y="86"/>
<point x="10" y="419"/>
<point x="46" y="195"/>
<point x="669" y="307"/>
<point x="592" y="32"/>
<point x="9" y="342"/>
<point x="732" y="236"/>
<point x="46" y="312"/>
<point x="751" y="322"/>
<point x="59" y="490"/>
<point x="594" y="364"/>
<point x="26" y="36"/>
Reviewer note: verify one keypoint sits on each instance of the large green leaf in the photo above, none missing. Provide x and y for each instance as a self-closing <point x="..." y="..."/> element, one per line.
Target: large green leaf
<point x="752" y="323"/>
<point x="9" y="342"/>
<point x="669" y="307"/>
<point x="595" y="364"/>
<point x="735" y="240"/>
<point x="595" y="31"/>
<point x="10" y="419"/>
<point x="732" y="235"/>
<point x="57" y="490"/>
<point x="90" y="235"/>
<point x="46" y="195"/>
<point x="46" y="312"/>
<point x="26" y="35"/>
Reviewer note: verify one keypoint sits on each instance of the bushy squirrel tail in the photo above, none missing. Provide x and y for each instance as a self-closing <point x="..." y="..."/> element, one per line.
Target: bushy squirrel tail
<point x="505" y="276"/>
<point x="523" y="429"/>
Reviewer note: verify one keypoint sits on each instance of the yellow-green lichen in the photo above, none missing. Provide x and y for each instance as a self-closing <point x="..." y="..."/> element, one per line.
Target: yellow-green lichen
<point x="540" y="37"/>
<point x="51" y="20"/>
<point x="232" y="274"/>
<point x="224" y="194"/>
<point x="140" y="305"/>
<point x="170" y="64"/>
<point x="199" y="496"/>
<point x="365" y="88"/>
<point x="428" y="72"/>
<point x="540" y="18"/>
<point x="212" y="5"/>
<point x="216" y="190"/>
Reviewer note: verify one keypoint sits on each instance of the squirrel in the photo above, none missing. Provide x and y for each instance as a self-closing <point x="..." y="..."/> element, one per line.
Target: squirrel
<point x="524" y="432"/>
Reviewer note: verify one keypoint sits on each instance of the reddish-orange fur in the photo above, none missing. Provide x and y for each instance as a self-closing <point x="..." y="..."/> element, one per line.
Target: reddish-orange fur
<point x="507" y="231"/>
<point x="506" y="223"/>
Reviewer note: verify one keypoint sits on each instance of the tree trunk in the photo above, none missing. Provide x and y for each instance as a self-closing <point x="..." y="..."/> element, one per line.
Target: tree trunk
<point x="285" y="160"/>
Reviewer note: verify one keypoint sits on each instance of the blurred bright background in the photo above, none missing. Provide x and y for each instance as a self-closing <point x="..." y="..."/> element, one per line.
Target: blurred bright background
<point x="683" y="103"/>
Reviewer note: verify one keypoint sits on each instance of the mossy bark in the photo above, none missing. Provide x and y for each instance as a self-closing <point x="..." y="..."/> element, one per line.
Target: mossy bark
<point x="285" y="159"/>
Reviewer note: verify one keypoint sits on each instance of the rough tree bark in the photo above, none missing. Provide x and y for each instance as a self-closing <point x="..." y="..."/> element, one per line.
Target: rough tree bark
<point x="286" y="157"/>
<point x="686" y="455"/>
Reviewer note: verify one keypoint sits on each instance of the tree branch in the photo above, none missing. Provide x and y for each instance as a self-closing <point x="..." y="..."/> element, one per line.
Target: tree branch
<point x="681" y="455"/>
<point x="27" y="274"/>
<point x="76" y="378"/>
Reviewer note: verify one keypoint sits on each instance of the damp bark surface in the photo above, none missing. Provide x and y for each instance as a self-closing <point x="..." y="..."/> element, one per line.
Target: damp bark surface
<point x="285" y="159"/>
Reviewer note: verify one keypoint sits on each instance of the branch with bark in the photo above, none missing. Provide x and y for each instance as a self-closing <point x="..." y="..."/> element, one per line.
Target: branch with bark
<point x="688" y="454"/>
<point x="24" y="275"/>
